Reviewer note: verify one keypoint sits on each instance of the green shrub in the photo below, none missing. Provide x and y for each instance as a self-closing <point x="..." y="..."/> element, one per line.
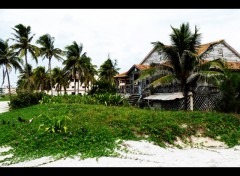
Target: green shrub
<point x="56" y="124"/>
<point x="106" y="99"/>
<point x="102" y="87"/>
<point x="230" y="88"/>
<point x="25" y="99"/>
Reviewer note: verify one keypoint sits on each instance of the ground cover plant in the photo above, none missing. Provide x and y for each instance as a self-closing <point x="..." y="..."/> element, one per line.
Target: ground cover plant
<point x="68" y="129"/>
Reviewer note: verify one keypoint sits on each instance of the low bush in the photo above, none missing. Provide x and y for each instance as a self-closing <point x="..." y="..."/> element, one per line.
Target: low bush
<point x="106" y="99"/>
<point x="24" y="99"/>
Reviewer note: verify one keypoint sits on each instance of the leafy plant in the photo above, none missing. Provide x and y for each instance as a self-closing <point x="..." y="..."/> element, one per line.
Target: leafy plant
<point x="56" y="124"/>
<point x="24" y="99"/>
<point x="230" y="88"/>
<point x="106" y="99"/>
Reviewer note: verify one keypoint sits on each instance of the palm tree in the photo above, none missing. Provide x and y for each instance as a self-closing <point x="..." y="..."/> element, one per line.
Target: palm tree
<point x="25" y="78"/>
<point x="41" y="79"/>
<point x="48" y="51"/>
<point x="108" y="70"/>
<point x="61" y="79"/>
<point x="183" y="65"/>
<point x="8" y="59"/>
<point x="89" y="75"/>
<point x="23" y="44"/>
<point x="74" y="61"/>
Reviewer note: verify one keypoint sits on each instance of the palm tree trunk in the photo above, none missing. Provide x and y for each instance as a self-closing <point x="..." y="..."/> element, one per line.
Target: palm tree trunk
<point x="78" y="82"/>
<point x="50" y="72"/>
<point x="60" y="89"/>
<point x="9" y="88"/>
<point x="28" y="80"/>
<point x="78" y="87"/>
<point x="185" y="94"/>
<point x="65" y="90"/>
<point x="74" y="81"/>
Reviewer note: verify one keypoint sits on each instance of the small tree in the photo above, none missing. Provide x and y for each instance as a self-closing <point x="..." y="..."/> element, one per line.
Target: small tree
<point x="101" y="87"/>
<point x="108" y="70"/>
<point x="230" y="88"/>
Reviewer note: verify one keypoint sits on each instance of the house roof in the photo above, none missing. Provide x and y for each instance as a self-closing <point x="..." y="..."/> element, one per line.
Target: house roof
<point x="121" y="75"/>
<point x="141" y="67"/>
<point x="233" y="65"/>
<point x="138" y="66"/>
<point x="146" y="57"/>
<point x="165" y="96"/>
<point x="202" y="48"/>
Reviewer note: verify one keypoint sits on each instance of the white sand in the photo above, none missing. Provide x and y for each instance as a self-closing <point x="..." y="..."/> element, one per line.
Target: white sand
<point x="146" y="154"/>
<point x="4" y="106"/>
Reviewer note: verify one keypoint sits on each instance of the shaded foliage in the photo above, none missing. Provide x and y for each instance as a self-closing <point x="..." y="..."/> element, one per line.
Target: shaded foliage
<point x="101" y="87"/>
<point x="230" y="88"/>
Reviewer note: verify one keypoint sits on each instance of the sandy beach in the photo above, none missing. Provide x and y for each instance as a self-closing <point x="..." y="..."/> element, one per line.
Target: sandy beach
<point x="146" y="154"/>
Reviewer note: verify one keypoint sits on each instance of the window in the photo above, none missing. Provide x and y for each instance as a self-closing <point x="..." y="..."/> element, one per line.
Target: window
<point x="72" y="86"/>
<point x="220" y="51"/>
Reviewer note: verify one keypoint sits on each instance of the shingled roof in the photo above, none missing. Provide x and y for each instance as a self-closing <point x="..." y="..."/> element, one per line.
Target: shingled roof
<point x="142" y="67"/>
<point x="202" y="48"/>
<point x="121" y="75"/>
<point x="233" y="65"/>
<point x="138" y="66"/>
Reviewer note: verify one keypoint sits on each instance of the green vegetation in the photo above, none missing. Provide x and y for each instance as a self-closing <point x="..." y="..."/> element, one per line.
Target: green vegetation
<point x="6" y="97"/>
<point x="8" y="60"/>
<point x="25" y="99"/>
<point x="101" y="87"/>
<point x="106" y="99"/>
<point x="230" y="88"/>
<point x="67" y="129"/>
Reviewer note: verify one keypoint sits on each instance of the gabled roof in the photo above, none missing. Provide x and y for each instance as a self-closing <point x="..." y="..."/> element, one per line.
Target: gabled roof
<point x="146" y="57"/>
<point x="141" y="67"/>
<point x="233" y="65"/>
<point x="202" y="48"/>
<point x="121" y="75"/>
<point x="138" y="66"/>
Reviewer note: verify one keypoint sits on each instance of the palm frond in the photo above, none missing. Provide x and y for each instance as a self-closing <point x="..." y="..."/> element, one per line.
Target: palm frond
<point x="163" y="81"/>
<point x="217" y="65"/>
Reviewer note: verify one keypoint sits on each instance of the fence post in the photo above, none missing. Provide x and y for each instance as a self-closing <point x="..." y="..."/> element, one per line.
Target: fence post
<point x="191" y="100"/>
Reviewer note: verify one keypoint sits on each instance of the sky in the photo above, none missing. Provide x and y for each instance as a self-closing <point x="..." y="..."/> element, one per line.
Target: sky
<point x="124" y="34"/>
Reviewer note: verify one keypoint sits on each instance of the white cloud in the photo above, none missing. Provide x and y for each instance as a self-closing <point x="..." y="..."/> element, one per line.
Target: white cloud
<point x="124" y="33"/>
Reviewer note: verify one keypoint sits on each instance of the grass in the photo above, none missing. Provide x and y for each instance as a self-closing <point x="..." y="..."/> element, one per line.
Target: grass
<point x="6" y="97"/>
<point x="93" y="129"/>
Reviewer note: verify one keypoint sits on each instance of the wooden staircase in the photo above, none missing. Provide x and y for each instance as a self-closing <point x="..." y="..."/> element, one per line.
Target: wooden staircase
<point x="133" y="99"/>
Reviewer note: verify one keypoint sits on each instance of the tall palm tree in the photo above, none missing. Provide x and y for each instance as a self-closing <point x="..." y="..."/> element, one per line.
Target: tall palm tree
<point x="41" y="79"/>
<point x="25" y="78"/>
<point x="89" y="76"/>
<point x="23" y="44"/>
<point x="48" y="51"/>
<point x="74" y="61"/>
<point x="61" y="79"/>
<point x="8" y="59"/>
<point x="183" y="65"/>
<point x="108" y="70"/>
